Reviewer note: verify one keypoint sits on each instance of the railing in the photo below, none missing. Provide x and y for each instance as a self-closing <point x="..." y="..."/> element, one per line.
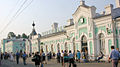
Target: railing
<point x="61" y="28"/>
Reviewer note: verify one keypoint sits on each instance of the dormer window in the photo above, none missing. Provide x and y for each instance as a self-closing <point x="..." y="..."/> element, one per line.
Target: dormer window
<point x="82" y="20"/>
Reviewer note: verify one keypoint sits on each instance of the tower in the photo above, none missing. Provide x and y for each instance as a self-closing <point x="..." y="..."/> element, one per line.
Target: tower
<point x="33" y="30"/>
<point x="117" y="3"/>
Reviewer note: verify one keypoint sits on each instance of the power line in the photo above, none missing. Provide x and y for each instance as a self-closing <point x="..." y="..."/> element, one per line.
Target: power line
<point x="11" y="11"/>
<point x="13" y="16"/>
<point x="20" y="8"/>
<point x="24" y="8"/>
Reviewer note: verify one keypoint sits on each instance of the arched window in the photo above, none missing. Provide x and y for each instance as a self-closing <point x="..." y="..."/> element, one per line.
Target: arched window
<point x="46" y="49"/>
<point x="52" y="48"/>
<point x="66" y="47"/>
<point x="58" y="46"/>
<point x="102" y="43"/>
<point x="74" y="44"/>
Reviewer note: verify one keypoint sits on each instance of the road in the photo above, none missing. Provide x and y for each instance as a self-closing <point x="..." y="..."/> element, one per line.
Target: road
<point x="52" y="63"/>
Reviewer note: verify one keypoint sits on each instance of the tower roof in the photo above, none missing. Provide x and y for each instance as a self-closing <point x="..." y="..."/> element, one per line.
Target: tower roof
<point x="33" y="30"/>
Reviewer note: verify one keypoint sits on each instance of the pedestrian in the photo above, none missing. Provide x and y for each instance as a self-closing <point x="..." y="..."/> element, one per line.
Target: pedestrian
<point x="11" y="56"/>
<point x="62" y="54"/>
<point x="78" y="55"/>
<point x="37" y="59"/>
<point x="74" y="53"/>
<point x="86" y="55"/>
<point x="71" y="59"/>
<point x="114" y="56"/>
<point x="53" y="54"/>
<point x="83" y="55"/>
<point x="66" y="59"/>
<point x="43" y="57"/>
<point x="100" y="57"/>
<point x="48" y="56"/>
<point x="119" y="53"/>
<point x="24" y="56"/>
<point x="58" y="56"/>
<point x="29" y="55"/>
<point x="17" y="57"/>
<point x="6" y="56"/>
<point x="1" y="56"/>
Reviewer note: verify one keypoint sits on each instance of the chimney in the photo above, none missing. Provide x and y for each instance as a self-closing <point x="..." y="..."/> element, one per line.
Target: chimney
<point x="70" y="21"/>
<point x="82" y="2"/>
<point x="117" y="3"/>
<point x="54" y="26"/>
<point x="108" y="9"/>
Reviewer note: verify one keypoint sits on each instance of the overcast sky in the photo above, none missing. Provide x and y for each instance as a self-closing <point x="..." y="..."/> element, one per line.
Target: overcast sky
<point x="43" y="12"/>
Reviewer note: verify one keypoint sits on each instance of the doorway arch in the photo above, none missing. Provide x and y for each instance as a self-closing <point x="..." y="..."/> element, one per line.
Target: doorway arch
<point x="66" y="47"/>
<point x="102" y="43"/>
<point x="84" y="46"/>
<point x="74" y="47"/>
<point x="58" y="46"/>
<point x="52" y="48"/>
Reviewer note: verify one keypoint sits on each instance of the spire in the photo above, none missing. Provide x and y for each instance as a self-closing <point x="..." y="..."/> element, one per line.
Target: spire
<point x="82" y="2"/>
<point x="33" y="30"/>
<point x="33" y="24"/>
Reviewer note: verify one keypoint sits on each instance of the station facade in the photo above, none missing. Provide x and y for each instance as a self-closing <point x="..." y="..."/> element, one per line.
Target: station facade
<point x="87" y="30"/>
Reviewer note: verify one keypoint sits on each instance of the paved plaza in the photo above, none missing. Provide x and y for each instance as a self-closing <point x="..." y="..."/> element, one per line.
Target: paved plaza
<point x="52" y="63"/>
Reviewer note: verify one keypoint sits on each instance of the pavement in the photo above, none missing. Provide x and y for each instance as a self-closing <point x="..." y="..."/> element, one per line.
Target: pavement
<point x="52" y="63"/>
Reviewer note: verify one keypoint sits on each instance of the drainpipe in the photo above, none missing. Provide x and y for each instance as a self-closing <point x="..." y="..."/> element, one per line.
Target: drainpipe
<point x="114" y="32"/>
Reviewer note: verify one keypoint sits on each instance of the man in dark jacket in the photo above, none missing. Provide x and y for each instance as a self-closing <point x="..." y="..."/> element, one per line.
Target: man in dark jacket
<point x="17" y="57"/>
<point x="58" y="56"/>
<point x="37" y="59"/>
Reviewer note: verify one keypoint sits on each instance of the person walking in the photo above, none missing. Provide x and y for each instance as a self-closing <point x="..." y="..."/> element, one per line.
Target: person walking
<point x="37" y="59"/>
<point x="78" y="55"/>
<point x="17" y="57"/>
<point x="62" y="54"/>
<point x="114" y="56"/>
<point x="66" y="59"/>
<point x="24" y="56"/>
<point x="58" y="56"/>
<point x="43" y="57"/>
<point x="1" y="56"/>
<point x="11" y="56"/>
<point x="48" y="56"/>
<point x="71" y="59"/>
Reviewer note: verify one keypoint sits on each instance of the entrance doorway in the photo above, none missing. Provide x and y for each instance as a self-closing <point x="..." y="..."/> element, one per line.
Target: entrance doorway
<point x="84" y="44"/>
<point x="102" y="43"/>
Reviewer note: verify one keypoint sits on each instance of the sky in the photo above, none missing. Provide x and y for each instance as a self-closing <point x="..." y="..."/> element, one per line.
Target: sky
<point x="43" y="12"/>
